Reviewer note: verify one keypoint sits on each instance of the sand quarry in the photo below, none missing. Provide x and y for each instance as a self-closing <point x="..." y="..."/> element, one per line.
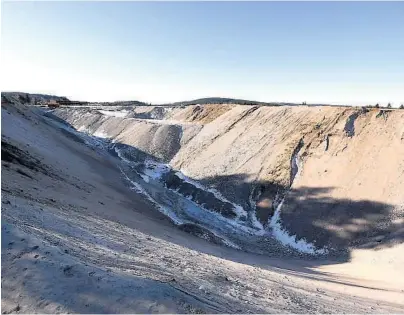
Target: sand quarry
<point x="202" y="209"/>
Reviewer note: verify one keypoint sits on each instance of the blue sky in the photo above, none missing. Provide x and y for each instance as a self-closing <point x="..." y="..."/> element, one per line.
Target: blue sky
<point x="320" y="52"/>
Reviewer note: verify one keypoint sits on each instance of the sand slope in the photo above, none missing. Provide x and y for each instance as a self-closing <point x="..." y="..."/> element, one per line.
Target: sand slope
<point x="340" y="169"/>
<point x="75" y="238"/>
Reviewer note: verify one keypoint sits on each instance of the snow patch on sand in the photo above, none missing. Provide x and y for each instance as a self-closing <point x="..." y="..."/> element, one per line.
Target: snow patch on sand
<point x="155" y="170"/>
<point x="121" y="113"/>
<point x="285" y="238"/>
<point x="281" y="234"/>
<point x="254" y="219"/>
<point x="101" y="134"/>
<point x="220" y="220"/>
<point x="169" y="213"/>
<point x="83" y="129"/>
<point x="239" y="210"/>
<point x="121" y="156"/>
<point x="138" y="188"/>
<point x="228" y="243"/>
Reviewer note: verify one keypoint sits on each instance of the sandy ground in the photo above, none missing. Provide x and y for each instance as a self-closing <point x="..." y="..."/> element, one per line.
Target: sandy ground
<point x="75" y="238"/>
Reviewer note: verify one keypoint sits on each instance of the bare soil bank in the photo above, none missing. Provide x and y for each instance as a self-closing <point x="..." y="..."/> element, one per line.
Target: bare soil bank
<point x="75" y="238"/>
<point x="339" y="169"/>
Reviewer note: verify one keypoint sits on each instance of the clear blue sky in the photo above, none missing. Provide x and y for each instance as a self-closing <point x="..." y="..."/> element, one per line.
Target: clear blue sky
<point x="328" y="52"/>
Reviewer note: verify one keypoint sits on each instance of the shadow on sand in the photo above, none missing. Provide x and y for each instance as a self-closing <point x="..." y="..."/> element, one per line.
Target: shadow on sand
<point x="307" y="212"/>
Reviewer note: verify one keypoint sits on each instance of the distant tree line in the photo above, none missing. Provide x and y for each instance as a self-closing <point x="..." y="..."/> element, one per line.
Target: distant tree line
<point x="33" y="99"/>
<point x="36" y="99"/>
<point x="220" y="100"/>
<point x="377" y="105"/>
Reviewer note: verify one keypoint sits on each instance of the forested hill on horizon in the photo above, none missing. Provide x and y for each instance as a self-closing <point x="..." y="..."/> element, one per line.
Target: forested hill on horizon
<point x="37" y="98"/>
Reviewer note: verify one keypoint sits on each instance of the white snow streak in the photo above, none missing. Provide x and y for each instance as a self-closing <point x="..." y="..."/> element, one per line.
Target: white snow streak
<point x="100" y="134"/>
<point x="121" y="113"/>
<point x="136" y="186"/>
<point x="238" y="209"/>
<point x="155" y="170"/>
<point x="285" y="238"/>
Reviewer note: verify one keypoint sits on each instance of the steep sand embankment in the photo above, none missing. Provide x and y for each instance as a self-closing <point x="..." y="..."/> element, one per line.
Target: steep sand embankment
<point x="75" y="238"/>
<point x="338" y="173"/>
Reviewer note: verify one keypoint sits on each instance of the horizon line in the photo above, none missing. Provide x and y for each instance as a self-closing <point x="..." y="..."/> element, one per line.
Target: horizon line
<point x="365" y="104"/>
